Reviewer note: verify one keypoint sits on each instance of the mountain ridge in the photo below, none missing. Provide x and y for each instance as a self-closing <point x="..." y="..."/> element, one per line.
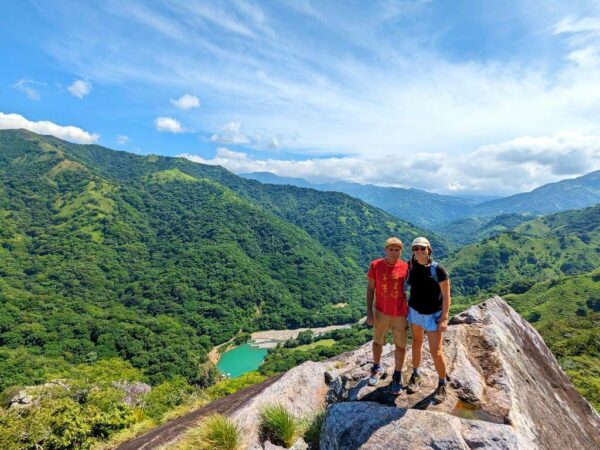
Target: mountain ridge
<point x="573" y="193"/>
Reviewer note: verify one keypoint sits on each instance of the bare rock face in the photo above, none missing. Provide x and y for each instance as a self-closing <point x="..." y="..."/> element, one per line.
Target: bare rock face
<point x="507" y="392"/>
<point x="30" y="395"/>
<point x="301" y="390"/>
<point x="135" y="391"/>
<point x="369" y="425"/>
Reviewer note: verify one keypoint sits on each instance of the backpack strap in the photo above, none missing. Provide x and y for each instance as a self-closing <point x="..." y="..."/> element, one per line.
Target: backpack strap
<point x="433" y="269"/>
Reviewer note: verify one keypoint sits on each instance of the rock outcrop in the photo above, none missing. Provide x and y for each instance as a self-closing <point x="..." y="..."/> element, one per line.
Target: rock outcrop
<point x="507" y="391"/>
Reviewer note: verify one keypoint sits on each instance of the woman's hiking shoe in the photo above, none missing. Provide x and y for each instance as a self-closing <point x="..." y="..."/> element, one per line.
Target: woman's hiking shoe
<point x="376" y="373"/>
<point x="396" y="385"/>
<point x="440" y="393"/>
<point x="414" y="384"/>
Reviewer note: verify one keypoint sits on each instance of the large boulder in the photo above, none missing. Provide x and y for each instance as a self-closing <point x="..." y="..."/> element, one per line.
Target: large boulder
<point x="507" y="391"/>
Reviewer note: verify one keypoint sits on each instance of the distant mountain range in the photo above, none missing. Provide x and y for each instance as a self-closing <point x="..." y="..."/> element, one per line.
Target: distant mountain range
<point x="434" y="210"/>
<point x="413" y="205"/>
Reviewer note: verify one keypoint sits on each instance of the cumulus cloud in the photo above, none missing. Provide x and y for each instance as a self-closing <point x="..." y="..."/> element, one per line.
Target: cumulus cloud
<point x="80" y="88"/>
<point x="517" y="165"/>
<point x="186" y="101"/>
<point x="231" y="133"/>
<point x="122" y="139"/>
<point x="29" y="88"/>
<point x="169" y="125"/>
<point x="68" y="133"/>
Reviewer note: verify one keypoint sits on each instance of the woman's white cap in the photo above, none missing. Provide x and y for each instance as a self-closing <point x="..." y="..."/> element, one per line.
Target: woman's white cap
<point x="421" y="241"/>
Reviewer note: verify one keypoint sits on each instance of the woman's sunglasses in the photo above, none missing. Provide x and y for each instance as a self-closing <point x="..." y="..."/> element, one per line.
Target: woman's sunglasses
<point x="419" y="247"/>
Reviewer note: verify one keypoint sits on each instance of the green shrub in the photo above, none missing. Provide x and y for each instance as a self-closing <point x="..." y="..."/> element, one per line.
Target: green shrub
<point x="279" y="426"/>
<point x="231" y="385"/>
<point x="166" y="396"/>
<point x="216" y="432"/>
<point x="312" y="435"/>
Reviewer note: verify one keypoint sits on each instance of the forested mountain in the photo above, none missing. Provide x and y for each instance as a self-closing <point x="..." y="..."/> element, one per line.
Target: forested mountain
<point x="156" y="259"/>
<point x="468" y="230"/>
<point x="443" y="212"/>
<point x="565" y="243"/>
<point x="414" y="205"/>
<point x="575" y="193"/>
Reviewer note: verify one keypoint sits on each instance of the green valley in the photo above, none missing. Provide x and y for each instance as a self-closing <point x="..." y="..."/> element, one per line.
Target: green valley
<point x="119" y="267"/>
<point x="155" y="260"/>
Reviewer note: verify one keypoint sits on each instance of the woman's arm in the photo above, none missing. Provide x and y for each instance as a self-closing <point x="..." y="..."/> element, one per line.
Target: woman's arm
<point x="445" y="288"/>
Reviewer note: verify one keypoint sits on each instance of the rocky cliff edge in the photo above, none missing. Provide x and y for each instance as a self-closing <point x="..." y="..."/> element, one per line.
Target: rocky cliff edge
<point x="507" y="392"/>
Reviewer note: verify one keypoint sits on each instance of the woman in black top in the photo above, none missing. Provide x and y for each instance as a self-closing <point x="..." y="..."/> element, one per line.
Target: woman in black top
<point x="429" y="305"/>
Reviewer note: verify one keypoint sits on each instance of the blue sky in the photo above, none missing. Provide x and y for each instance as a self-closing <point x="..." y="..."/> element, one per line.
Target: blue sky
<point x="457" y="97"/>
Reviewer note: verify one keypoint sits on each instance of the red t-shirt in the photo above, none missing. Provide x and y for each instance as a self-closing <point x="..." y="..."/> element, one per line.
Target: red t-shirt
<point x="390" y="297"/>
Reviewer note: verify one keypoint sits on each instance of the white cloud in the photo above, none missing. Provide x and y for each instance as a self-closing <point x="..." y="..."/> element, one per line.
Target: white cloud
<point x="68" y="133"/>
<point x="517" y="165"/>
<point x="122" y="139"/>
<point x="231" y="133"/>
<point x="169" y="125"/>
<point x="80" y="88"/>
<point x="28" y="87"/>
<point x="339" y="80"/>
<point x="186" y="101"/>
<point x="570" y="24"/>
<point x="585" y="57"/>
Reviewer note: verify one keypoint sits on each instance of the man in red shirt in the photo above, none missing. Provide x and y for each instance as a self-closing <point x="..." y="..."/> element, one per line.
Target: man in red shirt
<point x="386" y="286"/>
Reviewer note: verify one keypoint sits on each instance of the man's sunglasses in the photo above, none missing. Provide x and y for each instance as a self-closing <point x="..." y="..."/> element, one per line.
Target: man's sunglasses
<point x="419" y="247"/>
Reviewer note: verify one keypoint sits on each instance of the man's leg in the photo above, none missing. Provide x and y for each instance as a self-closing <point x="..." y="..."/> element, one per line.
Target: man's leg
<point x="377" y="351"/>
<point x="380" y="328"/>
<point x="399" y="331"/>
<point x="399" y="357"/>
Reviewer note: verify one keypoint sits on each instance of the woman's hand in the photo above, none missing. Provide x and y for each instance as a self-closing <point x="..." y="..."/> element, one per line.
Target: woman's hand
<point x="443" y="325"/>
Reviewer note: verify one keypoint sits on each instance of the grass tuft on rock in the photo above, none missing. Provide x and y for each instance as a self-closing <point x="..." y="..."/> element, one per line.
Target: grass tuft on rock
<point x="279" y="426"/>
<point x="216" y="432"/>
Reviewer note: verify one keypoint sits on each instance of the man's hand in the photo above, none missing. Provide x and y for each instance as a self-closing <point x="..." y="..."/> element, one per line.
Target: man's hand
<point x="443" y="325"/>
<point x="370" y="318"/>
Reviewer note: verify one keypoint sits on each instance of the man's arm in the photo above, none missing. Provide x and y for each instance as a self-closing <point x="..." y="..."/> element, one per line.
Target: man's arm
<point x="370" y="298"/>
<point x="445" y="288"/>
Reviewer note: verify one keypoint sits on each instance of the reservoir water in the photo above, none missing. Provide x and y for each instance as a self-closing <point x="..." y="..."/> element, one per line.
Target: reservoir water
<point x="241" y="359"/>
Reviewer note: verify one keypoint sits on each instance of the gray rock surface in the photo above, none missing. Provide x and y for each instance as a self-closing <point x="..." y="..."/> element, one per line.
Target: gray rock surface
<point x="135" y="391"/>
<point x="507" y="391"/>
<point x="301" y="390"/>
<point x="300" y="444"/>
<point x="30" y="395"/>
<point x="373" y="426"/>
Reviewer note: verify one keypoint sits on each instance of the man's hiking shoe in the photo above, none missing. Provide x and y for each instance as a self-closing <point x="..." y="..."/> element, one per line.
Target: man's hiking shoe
<point x="396" y="385"/>
<point x="376" y="373"/>
<point x="414" y="384"/>
<point x="440" y="394"/>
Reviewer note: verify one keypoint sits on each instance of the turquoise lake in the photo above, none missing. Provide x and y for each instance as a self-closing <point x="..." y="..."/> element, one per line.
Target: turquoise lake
<point x="241" y="359"/>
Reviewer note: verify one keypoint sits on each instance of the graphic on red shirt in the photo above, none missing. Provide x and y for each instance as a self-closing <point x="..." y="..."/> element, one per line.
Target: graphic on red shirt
<point x="390" y="297"/>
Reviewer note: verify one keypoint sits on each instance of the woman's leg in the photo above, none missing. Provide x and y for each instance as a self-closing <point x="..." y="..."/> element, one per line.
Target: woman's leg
<point x="417" y="344"/>
<point x="435" y="347"/>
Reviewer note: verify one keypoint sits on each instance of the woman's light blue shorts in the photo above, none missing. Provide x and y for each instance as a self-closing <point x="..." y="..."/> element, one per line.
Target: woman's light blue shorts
<point x="429" y="322"/>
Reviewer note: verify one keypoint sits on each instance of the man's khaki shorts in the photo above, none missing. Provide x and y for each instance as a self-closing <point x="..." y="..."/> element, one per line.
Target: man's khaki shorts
<point x="383" y="322"/>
